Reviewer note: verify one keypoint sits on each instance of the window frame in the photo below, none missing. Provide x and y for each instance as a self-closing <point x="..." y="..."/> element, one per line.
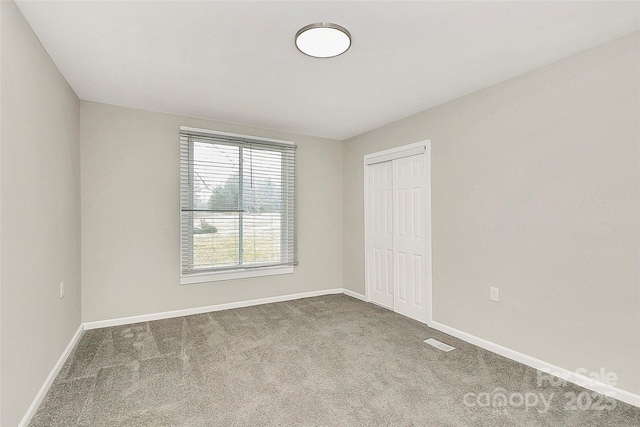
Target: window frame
<point x="241" y="271"/>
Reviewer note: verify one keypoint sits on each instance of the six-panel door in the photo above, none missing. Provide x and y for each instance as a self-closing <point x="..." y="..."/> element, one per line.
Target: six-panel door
<point x="381" y="234"/>
<point x="408" y="237"/>
<point x="396" y="258"/>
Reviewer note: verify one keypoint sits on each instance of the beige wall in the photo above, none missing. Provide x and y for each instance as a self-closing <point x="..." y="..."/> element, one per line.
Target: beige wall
<point x="40" y="234"/>
<point x="535" y="190"/>
<point x="130" y="216"/>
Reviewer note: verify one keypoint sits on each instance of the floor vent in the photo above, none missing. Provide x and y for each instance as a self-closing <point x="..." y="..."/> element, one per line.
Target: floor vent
<point x="439" y="345"/>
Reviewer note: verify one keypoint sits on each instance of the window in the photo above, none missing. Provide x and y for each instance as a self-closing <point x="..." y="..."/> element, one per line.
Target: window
<point x="237" y="203"/>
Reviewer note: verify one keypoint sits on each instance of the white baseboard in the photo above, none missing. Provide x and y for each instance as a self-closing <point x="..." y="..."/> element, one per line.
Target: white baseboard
<point x="157" y="316"/>
<point x="353" y="294"/>
<point x="570" y="376"/>
<point x="205" y="309"/>
<point x="52" y="376"/>
<point x="588" y="383"/>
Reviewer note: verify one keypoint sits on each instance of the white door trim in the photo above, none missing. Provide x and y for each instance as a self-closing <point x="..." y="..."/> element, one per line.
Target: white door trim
<point x="396" y="153"/>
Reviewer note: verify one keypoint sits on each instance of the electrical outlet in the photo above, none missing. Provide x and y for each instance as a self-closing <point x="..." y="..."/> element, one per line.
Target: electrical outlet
<point x="494" y="294"/>
<point x="61" y="290"/>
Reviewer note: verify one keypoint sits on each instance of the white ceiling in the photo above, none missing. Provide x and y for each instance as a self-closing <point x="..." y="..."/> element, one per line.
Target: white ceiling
<point x="237" y="62"/>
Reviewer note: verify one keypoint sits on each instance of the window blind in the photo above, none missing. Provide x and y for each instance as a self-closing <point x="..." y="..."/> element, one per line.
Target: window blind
<point x="237" y="202"/>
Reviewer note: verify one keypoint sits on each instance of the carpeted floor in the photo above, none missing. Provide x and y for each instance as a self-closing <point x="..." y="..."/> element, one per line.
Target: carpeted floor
<point x="324" y="361"/>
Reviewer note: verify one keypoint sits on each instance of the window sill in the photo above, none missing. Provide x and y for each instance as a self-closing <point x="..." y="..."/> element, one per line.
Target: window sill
<point x="230" y="275"/>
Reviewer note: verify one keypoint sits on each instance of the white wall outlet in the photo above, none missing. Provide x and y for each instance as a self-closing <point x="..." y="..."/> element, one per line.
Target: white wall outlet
<point x="61" y="290"/>
<point x="494" y="294"/>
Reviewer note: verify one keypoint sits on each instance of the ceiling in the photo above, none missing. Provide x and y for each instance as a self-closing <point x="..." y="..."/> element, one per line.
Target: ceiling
<point x="236" y="61"/>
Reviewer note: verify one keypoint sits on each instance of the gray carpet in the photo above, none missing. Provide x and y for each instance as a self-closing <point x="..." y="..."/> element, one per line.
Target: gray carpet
<point x="325" y="361"/>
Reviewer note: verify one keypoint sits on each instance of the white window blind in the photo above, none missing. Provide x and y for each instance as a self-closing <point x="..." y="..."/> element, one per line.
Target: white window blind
<point x="237" y="202"/>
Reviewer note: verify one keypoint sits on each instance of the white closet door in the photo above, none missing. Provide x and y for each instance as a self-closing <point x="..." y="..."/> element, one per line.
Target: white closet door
<point x="380" y="231"/>
<point x="409" y="261"/>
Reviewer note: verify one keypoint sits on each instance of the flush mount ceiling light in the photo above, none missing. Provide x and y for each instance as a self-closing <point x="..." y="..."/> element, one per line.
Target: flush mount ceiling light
<point x="323" y="40"/>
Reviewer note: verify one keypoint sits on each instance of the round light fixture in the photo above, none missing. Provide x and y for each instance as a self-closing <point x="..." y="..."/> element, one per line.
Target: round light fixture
<point x="323" y="40"/>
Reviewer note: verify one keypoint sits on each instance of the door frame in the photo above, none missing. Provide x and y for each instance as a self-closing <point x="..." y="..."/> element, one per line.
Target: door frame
<point x="424" y="148"/>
